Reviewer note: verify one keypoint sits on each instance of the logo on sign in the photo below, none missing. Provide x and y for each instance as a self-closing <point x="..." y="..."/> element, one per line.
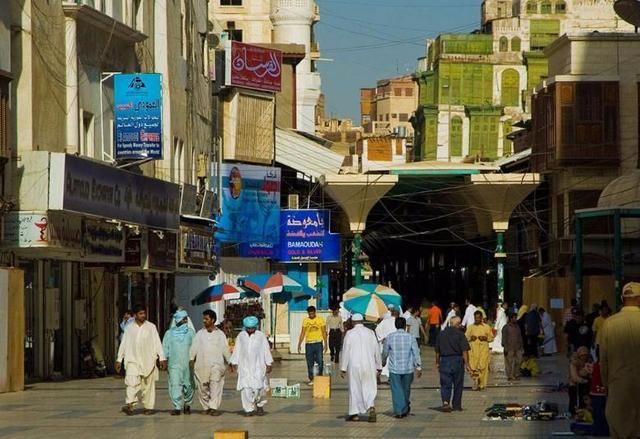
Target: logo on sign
<point x="137" y="83"/>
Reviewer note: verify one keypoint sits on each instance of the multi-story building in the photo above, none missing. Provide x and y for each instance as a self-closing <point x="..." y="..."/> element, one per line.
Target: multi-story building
<point x="95" y="235"/>
<point x="584" y="128"/>
<point x="387" y="109"/>
<point x="278" y="22"/>
<point x="5" y="105"/>
<point x="474" y="87"/>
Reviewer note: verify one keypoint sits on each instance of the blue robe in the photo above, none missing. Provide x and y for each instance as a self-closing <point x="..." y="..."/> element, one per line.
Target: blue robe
<point x="177" y="344"/>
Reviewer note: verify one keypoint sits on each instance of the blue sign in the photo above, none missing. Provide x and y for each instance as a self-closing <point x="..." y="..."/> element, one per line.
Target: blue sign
<point x="250" y="209"/>
<point x="138" y="116"/>
<point x="305" y="237"/>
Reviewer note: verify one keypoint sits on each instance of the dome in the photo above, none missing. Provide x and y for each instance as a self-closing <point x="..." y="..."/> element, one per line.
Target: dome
<point x="624" y="191"/>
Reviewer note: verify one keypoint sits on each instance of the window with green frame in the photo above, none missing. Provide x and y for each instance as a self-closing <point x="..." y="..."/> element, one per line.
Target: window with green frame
<point x="532" y="7"/>
<point x="545" y="7"/>
<point x="455" y="137"/>
<point x="431" y="137"/>
<point x="516" y="44"/>
<point x="484" y="135"/>
<point x="561" y="7"/>
<point x="504" y="44"/>
<point x="507" y="145"/>
<point x="510" y="94"/>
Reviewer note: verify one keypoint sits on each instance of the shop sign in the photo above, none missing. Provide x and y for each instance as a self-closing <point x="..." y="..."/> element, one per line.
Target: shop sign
<point x="100" y="190"/>
<point x="305" y="237"/>
<point x="103" y="241"/>
<point x="138" y="116"/>
<point x="43" y="229"/>
<point x="163" y="249"/>
<point x="253" y="67"/>
<point x="196" y="247"/>
<point x="250" y="215"/>
<point x="133" y="251"/>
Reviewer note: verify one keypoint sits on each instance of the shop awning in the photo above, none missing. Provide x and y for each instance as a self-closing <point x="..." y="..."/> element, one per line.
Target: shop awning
<point x="304" y="155"/>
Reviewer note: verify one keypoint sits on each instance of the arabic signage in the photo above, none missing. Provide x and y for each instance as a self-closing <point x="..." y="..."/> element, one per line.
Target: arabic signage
<point x="43" y="230"/>
<point x="196" y="247"/>
<point x="253" y="67"/>
<point x="163" y="250"/>
<point x="138" y="116"/>
<point x="103" y="241"/>
<point x="250" y="209"/>
<point x="305" y="237"/>
<point x="101" y="190"/>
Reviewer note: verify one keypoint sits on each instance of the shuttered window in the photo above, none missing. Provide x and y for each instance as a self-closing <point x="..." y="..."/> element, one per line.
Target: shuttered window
<point x="455" y="138"/>
<point x="510" y="95"/>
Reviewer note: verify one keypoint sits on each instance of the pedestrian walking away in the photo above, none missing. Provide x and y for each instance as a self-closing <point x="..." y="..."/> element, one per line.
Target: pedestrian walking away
<point x="434" y="322"/>
<point x="209" y="355"/>
<point x="513" y="346"/>
<point x="314" y="334"/>
<point x="335" y="328"/>
<point x="479" y="335"/>
<point x="139" y="351"/>
<point x="362" y="364"/>
<point x="402" y="354"/>
<point x="452" y="359"/>
<point x="177" y="346"/>
<point x="384" y="328"/>
<point x="252" y="360"/>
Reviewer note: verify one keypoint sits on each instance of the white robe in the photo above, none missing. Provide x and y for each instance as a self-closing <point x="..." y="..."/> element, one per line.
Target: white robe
<point x="501" y="322"/>
<point x="548" y="328"/>
<point x="361" y="360"/>
<point x="450" y="315"/>
<point x="210" y="350"/>
<point x="384" y="328"/>
<point x="468" y="318"/>
<point x="140" y="348"/>
<point x="252" y="355"/>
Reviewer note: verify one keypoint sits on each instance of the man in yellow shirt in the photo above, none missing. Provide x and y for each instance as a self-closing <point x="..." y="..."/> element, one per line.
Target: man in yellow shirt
<point x="315" y="336"/>
<point x="605" y="312"/>
<point x="479" y="335"/>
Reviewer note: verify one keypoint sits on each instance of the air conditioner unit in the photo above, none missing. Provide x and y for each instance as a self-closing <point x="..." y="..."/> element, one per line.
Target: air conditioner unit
<point x="213" y="40"/>
<point x="293" y="201"/>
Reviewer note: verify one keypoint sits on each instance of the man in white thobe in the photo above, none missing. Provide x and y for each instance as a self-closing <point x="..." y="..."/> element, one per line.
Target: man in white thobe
<point x="252" y="359"/>
<point x="209" y="354"/>
<point x="501" y="322"/>
<point x="385" y="327"/>
<point x="362" y="363"/>
<point x="453" y="311"/>
<point x="140" y="349"/>
<point x="468" y="318"/>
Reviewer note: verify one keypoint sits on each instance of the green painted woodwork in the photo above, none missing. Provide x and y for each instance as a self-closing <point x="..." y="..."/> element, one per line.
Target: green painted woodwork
<point x="455" y="137"/>
<point x="507" y="145"/>
<point x="516" y="44"/>
<point x="545" y="7"/>
<point x="561" y="7"/>
<point x="427" y="85"/>
<point x="510" y="91"/>
<point x="431" y="134"/>
<point x="484" y="127"/>
<point x="537" y="69"/>
<point x="471" y="44"/>
<point x="465" y="83"/>
<point x="504" y="44"/>
<point x="543" y="33"/>
<point x="532" y="7"/>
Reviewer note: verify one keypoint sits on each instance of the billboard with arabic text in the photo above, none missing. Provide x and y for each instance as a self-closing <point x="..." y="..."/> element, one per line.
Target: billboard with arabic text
<point x="253" y="67"/>
<point x="305" y="237"/>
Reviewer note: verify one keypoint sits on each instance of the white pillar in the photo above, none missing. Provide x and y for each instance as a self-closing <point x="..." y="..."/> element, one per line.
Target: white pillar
<point x="71" y="87"/>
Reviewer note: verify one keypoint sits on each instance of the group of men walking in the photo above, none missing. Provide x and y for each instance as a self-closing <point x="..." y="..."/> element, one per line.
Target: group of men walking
<point x="201" y="358"/>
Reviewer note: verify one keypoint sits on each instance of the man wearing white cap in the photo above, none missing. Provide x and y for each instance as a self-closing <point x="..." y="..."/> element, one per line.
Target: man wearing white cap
<point x="386" y="327"/>
<point x="362" y="362"/>
<point x="252" y="360"/>
<point x="620" y="362"/>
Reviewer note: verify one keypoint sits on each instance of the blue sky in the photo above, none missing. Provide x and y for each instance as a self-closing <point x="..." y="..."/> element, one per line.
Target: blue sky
<point x="373" y="39"/>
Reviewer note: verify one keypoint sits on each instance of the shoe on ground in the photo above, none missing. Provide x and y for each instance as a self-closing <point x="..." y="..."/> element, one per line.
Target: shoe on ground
<point x="214" y="412"/>
<point x="150" y="412"/>
<point x="373" y="417"/>
<point x="310" y="383"/>
<point x="458" y="409"/>
<point x="127" y="410"/>
<point x="398" y="416"/>
<point x="260" y="411"/>
<point x="248" y="414"/>
<point x="446" y="408"/>
<point x="353" y="418"/>
<point x="207" y="412"/>
<point x="187" y="410"/>
<point x="175" y="413"/>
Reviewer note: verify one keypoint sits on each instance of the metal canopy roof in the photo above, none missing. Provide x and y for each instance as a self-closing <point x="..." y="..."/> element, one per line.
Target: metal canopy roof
<point x="304" y="155"/>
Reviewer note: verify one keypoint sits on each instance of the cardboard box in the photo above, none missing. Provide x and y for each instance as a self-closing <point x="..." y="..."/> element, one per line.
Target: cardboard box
<point x="322" y="387"/>
<point x="228" y="434"/>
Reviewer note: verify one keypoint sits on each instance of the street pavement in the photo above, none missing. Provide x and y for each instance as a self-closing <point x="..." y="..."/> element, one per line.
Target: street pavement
<point x="91" y="409"/>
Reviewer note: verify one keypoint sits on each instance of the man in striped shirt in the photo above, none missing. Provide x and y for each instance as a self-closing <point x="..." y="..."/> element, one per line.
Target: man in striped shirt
<point x="402" y="354"/>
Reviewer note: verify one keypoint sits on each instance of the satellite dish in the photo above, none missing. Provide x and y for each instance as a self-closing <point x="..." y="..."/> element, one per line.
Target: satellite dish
<point x="628" y="10"/>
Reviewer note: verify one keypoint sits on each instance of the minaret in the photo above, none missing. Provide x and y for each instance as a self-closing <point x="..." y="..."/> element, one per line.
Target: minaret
<point x="292" y="24"/>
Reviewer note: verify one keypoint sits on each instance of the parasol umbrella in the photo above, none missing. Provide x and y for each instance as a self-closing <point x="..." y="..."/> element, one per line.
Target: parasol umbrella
<point x="369" y="305"/>
<point x="224" y="291"/>
<point x="388" y="295"/>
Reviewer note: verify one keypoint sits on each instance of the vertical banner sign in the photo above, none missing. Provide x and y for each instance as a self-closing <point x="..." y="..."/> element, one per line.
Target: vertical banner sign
<point x="138" y="116"/>
<point x="250" y="209"/>
<point x="253" y="67"/>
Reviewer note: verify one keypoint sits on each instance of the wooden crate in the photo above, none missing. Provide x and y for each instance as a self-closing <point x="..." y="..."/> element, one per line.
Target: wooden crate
<point x="229" y="434"/>
<point x="322" y="387"/>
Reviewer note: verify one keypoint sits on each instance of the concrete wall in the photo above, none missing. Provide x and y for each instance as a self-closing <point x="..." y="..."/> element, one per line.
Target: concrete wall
<point x="12" y="330"/>
<point x="5" y="37"/>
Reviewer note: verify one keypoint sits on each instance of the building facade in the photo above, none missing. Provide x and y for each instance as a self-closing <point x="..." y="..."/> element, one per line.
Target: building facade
<point x="475" y="87"/>
<point x="388" y="108"/>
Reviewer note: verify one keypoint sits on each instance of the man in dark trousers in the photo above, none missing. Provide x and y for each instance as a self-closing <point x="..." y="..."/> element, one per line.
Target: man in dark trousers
<point x="452" y="358"/>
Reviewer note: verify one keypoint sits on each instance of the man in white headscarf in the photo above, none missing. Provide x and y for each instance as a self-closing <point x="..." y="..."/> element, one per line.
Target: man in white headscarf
<point x="362" y="362"/>
<point x="501" y="322"/>
<point x="252" y="360"/>
<point x="177" y="344"/>
<point x="469" y="311"/>
<point x="140" y="349"/>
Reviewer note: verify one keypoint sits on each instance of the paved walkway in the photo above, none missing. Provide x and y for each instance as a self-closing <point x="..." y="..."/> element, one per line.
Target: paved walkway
<point x="90" y="409"/>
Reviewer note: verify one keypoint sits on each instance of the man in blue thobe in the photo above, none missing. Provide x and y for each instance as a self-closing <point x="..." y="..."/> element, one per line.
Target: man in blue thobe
<point x="177" y="344"/>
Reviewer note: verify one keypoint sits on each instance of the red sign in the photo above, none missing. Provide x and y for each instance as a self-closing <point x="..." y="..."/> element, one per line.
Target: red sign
<point x="253" y="67"/>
